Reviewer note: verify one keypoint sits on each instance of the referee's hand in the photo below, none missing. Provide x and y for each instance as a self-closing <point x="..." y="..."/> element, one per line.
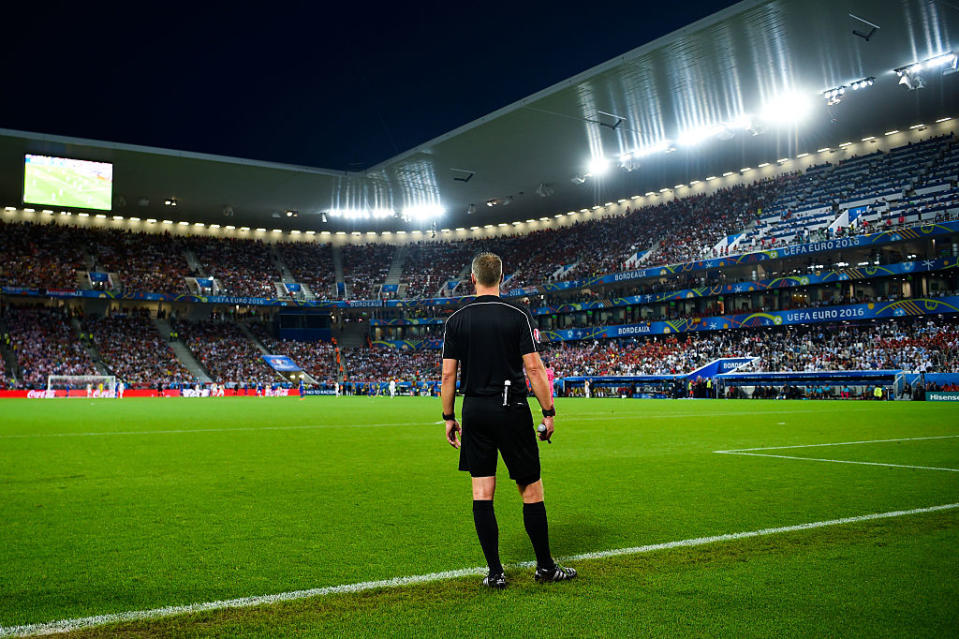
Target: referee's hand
<point x="452" y="429"/>
<point x="548" y="421"/>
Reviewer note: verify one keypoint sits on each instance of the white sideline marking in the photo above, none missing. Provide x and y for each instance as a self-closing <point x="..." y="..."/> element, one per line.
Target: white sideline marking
<point x="425" y="422"/>
<point x="864" y="441"/>
<point x="842" y="461"/>
<point x="69" y="625"/>
<point x="750" y="452"/>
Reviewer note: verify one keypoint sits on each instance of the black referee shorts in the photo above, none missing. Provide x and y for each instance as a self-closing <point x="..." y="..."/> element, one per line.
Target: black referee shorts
<point x="488" y="426"/>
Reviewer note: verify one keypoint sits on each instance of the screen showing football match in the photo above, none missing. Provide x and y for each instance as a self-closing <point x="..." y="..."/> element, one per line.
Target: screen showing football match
<point x="54" y="181"/>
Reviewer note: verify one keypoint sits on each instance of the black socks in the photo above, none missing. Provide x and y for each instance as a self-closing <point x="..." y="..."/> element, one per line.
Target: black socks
<point x="534" y="516"/>
<point x="488" y="532"/>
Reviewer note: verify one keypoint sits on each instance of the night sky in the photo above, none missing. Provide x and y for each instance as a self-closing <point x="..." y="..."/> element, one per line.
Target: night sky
<point x="339" y="86"/>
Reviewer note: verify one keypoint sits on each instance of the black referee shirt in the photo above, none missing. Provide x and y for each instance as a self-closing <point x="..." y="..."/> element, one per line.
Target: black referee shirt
<point x="489" y="336"/>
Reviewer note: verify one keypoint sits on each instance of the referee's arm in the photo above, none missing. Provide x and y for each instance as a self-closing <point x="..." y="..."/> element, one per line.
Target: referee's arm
<point x="536" y="373"/>
<point x="448" y="397"/>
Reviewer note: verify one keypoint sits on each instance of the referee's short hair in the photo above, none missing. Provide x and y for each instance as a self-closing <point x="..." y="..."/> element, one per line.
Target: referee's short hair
<point x="488" y="269"/>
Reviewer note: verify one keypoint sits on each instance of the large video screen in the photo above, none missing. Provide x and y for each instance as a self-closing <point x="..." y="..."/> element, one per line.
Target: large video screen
<point x="65" y="182"/>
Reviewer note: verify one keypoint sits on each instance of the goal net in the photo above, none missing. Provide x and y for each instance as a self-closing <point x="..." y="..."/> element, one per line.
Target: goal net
<point x="82" y="385"/>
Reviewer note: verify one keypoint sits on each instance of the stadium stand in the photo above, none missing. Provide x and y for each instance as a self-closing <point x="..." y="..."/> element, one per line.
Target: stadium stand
<point x="42" y="255"/>
<point x="365" y="268"/>
<point x="384" y="364"/>
<point x="922" y="345"/>
<point x="225" y="352"/>
<point x="45" y="344"/>
<point x="134" y="352"/>
<point x="317" y="358"/>
<point x="145" y="263"/>
<point x="907" y="185"/>
<point x="243" y="267"/>
<point x="310" y="264"/>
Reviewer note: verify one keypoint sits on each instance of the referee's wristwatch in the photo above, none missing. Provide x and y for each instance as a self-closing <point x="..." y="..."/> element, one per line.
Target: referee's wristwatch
<point x="449" y="418"/>
<point x="549" y="413"/>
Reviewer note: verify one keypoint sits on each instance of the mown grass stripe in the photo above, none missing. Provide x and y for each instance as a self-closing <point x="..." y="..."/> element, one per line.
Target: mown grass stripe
<point x="69" y="625"/>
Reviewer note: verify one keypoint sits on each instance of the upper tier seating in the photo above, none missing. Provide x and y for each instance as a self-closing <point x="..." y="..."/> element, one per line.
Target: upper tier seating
<point x="243" y="267"/>
<point x="310" y="264"/>
<point x="908" y="184"/>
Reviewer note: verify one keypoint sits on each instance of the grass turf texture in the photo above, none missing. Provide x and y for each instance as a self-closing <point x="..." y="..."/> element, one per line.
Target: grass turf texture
<point x="249" y="496"/>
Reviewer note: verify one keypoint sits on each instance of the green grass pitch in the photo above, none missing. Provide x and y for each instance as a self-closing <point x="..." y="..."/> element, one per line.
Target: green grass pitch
<point x="57" y="186"/>
<point x="110" y="506"/>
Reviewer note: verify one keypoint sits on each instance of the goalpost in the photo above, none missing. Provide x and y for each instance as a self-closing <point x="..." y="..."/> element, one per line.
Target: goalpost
<point x="100" y="385"/>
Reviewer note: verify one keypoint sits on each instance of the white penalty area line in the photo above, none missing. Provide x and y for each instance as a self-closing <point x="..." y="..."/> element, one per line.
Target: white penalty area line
<point x="751" y="452"/>
<point x="70" y="625"/>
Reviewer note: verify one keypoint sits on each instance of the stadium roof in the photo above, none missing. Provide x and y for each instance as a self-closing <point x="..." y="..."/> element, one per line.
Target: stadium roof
<point x="746" y="67"/>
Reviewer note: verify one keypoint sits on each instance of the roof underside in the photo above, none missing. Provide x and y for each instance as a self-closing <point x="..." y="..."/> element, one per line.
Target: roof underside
<point x="712" y="71"/>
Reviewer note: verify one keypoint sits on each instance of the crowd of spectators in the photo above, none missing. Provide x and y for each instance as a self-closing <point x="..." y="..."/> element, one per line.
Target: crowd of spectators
<point x="365" y="268"/>
<point x="429" y="265"/>
<point x="42" y="255"/>
<point x="225" y="352"/>
<point x="145" y="263"/>
<point x="242" y="267"/>
<point x="921" y="345"/>
<point x="317" y="358"/>
<point x="134" y="352"/>
<point x="311" y="264"/>
<point x="44" y="343"/>
<point x="382" y="364"/>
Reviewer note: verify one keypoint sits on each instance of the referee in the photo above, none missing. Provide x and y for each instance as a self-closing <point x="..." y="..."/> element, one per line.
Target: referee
<point x="495" y="340"/>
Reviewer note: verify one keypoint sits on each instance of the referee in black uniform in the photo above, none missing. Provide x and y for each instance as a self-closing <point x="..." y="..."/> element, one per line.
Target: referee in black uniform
<point x="495" y="340"/>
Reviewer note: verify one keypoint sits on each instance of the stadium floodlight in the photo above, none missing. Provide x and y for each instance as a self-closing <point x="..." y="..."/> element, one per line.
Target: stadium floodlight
<point x="598" y="166"/>
<point x="694" y="183"/>
<point x="9" y="208"/>
<point x="782" y="160"/>
<point x="29" y="211"/>
<point x="801" y="155"/>
<point x="115" y="217"/>
<point x="49" y="212"/>
<point x="182" y="223"/>
<point x="88" y="215"/>
<point x="727" y="173"/>
<point x="68" y="214"/>
<point x="650" y="193"/>
<point x="762" y="165"/>
<point x="746" y="169"/>
<point x="868" y="138"/>
<point x="597" y="207"/>
<point x="312" y="232"/>
<point x="277" y="230"/>
<point x="843" y="145"/>
<point x="134" y="219"/>
<point x="214" y="226"/>
<point x="697" y="135"/>
<point x="419" y="212"/>
<point x="941" y="120"/>
<point x="664" y="190"/>
<point x="245" y="228"/>
<point x="893" y="132"/>
<point x="788" y="108"/>
<point x="502" y="224"/>
<point x="544" y="219"/>
<point x="199" y="225"/>
<point x="151" y="220"/>
<point x="711" y="178"/>
<point x="915" y="127"/>
<point x="100" y="216"/>
<point x="650" y="149"/>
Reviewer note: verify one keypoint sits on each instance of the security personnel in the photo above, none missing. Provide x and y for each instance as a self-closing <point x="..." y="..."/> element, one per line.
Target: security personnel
<point x="494" y="341"/>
